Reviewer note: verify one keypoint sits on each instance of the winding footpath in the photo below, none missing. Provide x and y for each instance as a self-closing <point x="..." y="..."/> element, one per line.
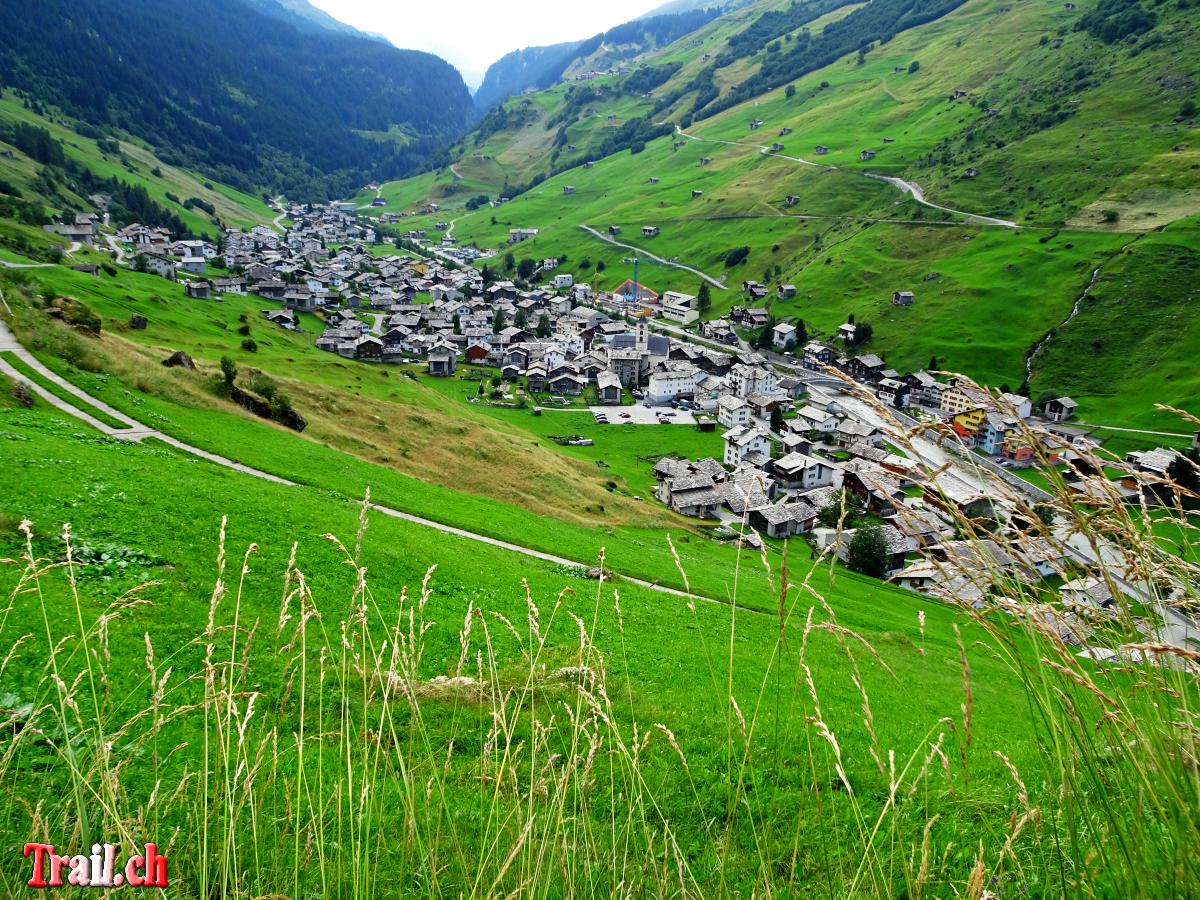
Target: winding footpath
<point x="911" y="188"/>
<point x="132" y="430"/>
<point x="720" y="285"/>
<point x="277" y="222"/>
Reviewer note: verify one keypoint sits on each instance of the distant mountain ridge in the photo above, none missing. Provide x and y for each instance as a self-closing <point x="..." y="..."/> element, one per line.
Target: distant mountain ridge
<point x="540" y="67"/>
<point x="306" y="17"/>
<point x="255" y="99"/>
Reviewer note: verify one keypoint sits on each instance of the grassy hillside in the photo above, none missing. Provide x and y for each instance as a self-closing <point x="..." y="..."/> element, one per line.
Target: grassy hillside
<point x="1135" y="336"/>
<point x="132" y="163"/>
<point x="665" y="662"/>
<point x="826" y="734"/>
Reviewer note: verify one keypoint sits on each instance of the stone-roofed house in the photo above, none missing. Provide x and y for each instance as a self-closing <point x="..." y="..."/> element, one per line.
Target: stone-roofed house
<point x="781" y="520"/>
<point x="608" y="387"/>
<point x="742" y="441"/>
<point x="801" y="472"/>
<point x="691" y="494"/>
<point x="732" y="411"/>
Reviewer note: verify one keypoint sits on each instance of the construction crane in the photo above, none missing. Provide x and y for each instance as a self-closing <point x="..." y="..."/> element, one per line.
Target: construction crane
<point x="633" y="297"/>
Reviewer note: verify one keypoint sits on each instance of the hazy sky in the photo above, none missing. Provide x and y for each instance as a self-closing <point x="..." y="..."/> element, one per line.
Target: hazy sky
<point x="473" y="34"/>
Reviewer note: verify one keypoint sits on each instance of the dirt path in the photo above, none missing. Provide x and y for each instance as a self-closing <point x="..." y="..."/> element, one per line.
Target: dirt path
<point x="911" y="188"/>
<point x="720" y="285"/>
<point x="887" y="90"/>
<point x="135" y="431"/>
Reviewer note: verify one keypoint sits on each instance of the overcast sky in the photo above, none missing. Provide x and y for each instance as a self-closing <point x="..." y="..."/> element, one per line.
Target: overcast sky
<point x="473" y="34"/>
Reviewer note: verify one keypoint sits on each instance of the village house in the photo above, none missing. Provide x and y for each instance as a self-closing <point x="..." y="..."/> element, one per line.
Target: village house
<point x="817" y="356"/>
<point x="781" y="520"/>
<point x="672" y="380"/>
<point x="442" y="360"/>
<point x="865" y="368"/>
<point x="746" y="380"/>
<point x="892" y="392"/>
<point x="284" y="318"/>
<point x="783" y="335"/>
<point x="200" y="290"/>
<point x="732" y="411"/>
<point x="801" y="472"/>
<point x="743" y="441"/>
<point x="608" y="388"/>
<point x="811" y="419"/>
<point x="691" y="494"/>
<point x="1059" y="409"/>
<point x="157" y="265"/>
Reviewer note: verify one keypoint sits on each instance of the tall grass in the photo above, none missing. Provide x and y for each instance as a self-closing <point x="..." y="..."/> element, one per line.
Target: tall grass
<point x="327" y="754"/>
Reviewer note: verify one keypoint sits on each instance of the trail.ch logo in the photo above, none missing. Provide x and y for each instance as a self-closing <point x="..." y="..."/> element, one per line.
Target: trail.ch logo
<point x="51" y="869"/>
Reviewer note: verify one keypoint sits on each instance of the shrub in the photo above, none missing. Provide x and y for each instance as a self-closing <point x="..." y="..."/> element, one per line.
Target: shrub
<point x="249" y="345"/>
<point x="736" y="256"/>
<point x="22" y="394"/>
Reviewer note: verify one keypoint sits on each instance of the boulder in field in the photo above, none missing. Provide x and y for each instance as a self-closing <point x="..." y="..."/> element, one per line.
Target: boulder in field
<point x="138" y="322"/>
<point x="179" y="359"/>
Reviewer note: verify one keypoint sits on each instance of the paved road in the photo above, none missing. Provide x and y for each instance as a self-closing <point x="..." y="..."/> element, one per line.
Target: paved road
<point x="132" y="430"/>
<point x="116" y="247"/>
<point x="720" y="285"/>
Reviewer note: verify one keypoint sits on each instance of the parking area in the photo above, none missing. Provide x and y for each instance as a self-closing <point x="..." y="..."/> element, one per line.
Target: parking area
<point x="644" y="415"/>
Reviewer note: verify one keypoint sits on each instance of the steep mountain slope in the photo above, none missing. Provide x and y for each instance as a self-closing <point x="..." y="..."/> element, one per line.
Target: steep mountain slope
<point x="1079" y="135"/>
<point x="535" y="67"/>
<point x="49" y="165"/>
<point x="315" y="114"/>
<point x="306" y="17"/>
<point x="541" y="67"/>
